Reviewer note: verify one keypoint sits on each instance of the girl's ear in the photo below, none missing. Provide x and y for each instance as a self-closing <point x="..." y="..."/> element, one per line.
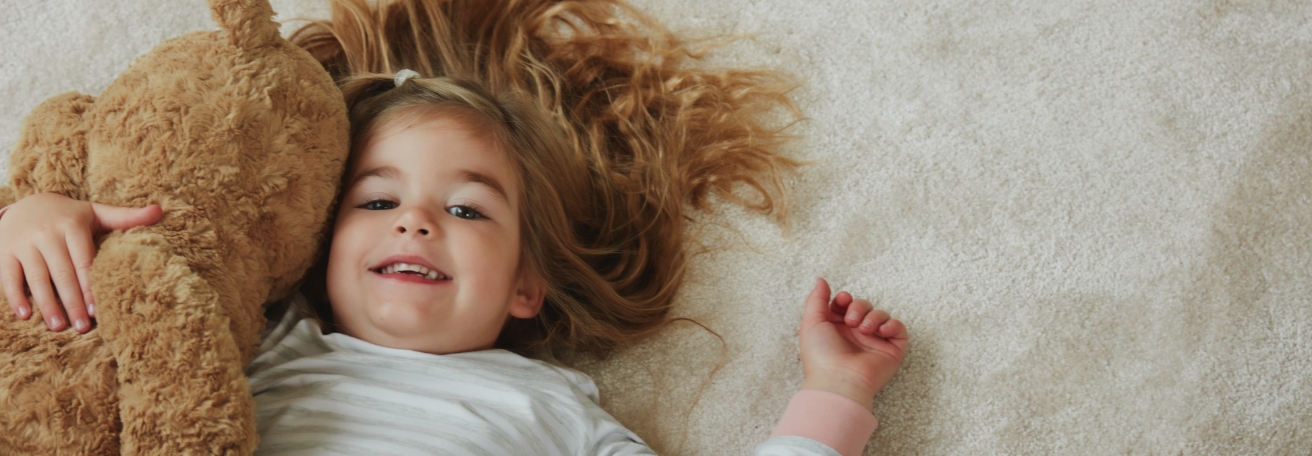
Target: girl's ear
<point x="529" y="294"/>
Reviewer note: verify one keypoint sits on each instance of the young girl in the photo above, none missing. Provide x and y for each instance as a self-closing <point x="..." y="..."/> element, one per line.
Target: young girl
<point x="472" y="221"/>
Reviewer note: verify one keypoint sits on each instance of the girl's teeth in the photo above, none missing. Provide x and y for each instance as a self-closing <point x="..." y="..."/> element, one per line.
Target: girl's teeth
<point x="427" y="273"/>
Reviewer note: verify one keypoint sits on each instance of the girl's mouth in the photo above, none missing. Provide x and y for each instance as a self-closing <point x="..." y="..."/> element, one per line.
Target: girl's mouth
<point x="411" y="270"/>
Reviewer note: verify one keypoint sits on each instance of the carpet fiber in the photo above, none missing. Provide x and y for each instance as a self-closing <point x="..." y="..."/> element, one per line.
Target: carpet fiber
<point x="1093" y="217"/>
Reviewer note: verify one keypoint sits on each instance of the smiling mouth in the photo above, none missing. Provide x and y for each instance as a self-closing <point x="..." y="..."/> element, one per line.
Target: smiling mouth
<point x="413" y="270"/>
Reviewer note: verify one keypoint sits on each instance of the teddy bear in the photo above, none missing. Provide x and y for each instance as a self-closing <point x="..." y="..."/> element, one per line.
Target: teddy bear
<point x="241" y="138"/>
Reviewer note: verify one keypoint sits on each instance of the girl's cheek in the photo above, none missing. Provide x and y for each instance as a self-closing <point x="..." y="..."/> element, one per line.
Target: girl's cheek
<point x="345" y="219"/>
<point x="489" y="249"/>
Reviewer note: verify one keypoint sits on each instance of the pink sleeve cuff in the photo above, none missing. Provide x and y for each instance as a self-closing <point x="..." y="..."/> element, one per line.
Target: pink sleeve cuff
<point x="828" y="418"/>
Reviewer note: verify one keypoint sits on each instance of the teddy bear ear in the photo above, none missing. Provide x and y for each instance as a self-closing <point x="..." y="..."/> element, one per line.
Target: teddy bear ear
<point x="249" y="23"/>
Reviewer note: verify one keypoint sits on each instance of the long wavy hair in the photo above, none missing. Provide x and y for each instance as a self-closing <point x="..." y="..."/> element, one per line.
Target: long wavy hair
<point x="648" y="132"/>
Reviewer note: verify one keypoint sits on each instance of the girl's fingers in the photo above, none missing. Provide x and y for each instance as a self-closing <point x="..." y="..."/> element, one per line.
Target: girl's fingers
<point x="838" y="306"/>
<point x="872" y="322"/>
<point x="856" y="312"/>
<point x="840" y="302"/>
<point x="38" y="281"/>
<point x="815" y="311"/>
<point x="109" y="218"/>
<point x="82" y="250"/>
<point x="12" y="272"/>
<point x="65" y="278"/>
<point x="895" y="332"/>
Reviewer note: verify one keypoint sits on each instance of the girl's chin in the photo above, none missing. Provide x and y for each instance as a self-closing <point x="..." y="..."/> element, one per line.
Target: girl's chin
<point x="422" y="335"/>
<point x="424" y="344"/>
<point x="405" y="336"/>
<point x="406" y="325"/>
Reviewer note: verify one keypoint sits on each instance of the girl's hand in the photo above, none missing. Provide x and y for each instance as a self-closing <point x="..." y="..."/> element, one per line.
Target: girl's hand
<point x="47" y="238"/>
<point x="848" y="347"/>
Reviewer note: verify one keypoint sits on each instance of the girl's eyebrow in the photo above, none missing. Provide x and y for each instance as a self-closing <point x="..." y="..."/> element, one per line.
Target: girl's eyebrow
<point x="385" y="172"/>
<point x="489" y="181"/>
<point x="390" y="172"/>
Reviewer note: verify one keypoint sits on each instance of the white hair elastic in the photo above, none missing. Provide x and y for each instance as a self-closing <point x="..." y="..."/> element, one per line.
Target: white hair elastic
<point x="403" y="75"/>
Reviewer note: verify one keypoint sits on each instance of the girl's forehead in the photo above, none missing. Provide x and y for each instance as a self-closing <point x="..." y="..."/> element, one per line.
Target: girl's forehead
<point x="437" y="134"/>
<point x="451" y="121"/>
<point x="434" y="145"/>
<point x="458" y="118"/>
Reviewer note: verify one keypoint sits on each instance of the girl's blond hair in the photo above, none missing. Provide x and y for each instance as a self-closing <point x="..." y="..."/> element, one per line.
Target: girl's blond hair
<point x="641" y="130"/>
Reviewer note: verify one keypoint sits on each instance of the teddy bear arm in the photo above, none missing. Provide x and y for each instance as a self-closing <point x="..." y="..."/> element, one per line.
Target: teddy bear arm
<point x="182" y="389"/>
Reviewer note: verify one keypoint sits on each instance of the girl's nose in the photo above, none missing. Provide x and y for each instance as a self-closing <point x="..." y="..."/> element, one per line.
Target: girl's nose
<point x="414" y="221"/>
<point x="402" y="229"/>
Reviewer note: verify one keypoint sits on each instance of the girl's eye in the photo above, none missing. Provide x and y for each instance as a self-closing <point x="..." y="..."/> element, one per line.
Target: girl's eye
<point x="465" y="212"/>
<point x="378" y="205"/>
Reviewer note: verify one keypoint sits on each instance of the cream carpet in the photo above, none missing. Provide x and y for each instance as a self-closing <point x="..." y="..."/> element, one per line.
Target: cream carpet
<point x="1092" y="215"/>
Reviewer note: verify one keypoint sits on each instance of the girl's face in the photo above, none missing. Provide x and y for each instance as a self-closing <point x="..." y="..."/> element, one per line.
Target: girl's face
<point x="426" y="247"/>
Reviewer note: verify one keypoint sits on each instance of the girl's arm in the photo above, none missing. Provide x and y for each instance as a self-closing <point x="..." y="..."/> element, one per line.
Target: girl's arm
<point x="850" y="351"/>
<point x="48" y="238"/>
<point x="824" y="417"/>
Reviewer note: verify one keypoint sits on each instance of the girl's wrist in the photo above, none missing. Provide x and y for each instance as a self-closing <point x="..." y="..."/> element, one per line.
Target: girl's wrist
<point x="855" y="390"/>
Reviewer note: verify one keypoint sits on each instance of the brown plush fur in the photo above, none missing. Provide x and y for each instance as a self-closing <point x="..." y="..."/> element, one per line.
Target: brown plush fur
<point x="241" y="138"/>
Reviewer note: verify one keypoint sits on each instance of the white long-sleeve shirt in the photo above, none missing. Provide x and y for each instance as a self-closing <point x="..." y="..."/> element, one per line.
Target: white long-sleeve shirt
<point x="335" y="394"/>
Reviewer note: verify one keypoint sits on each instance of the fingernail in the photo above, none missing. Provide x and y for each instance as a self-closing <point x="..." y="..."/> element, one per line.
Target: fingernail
<point x="54" y="322"/>
<point x="91" y="309"/>
<point x="81" y="325"/>
<point x="24" y="313"/>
